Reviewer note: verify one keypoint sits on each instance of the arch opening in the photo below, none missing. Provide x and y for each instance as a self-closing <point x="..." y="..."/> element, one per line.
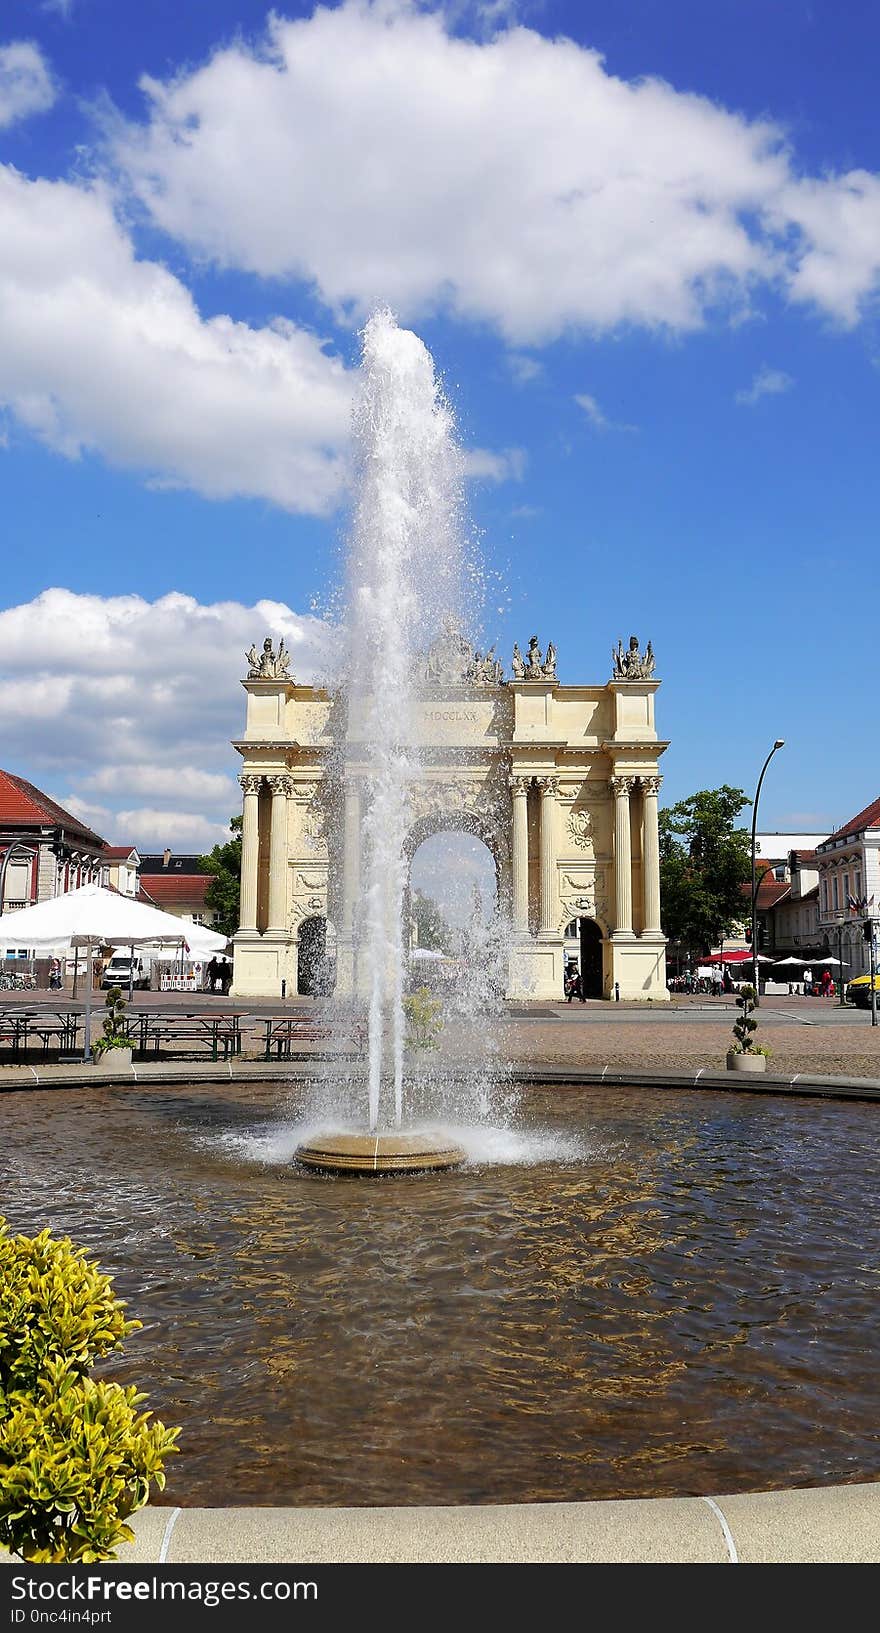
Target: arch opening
<point x="452" y="908"/>
<point x="583" y="945"/>
<point x="316" y="963"/>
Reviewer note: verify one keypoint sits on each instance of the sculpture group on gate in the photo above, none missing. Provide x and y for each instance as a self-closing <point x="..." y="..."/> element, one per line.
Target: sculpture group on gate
<point x="268" y="665"/>
<point x="533" y="666"/>
<point x="632" y="664"/>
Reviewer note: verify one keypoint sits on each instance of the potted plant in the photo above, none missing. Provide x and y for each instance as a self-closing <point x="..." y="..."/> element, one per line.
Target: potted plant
<point x="744" y="1054"/>
<point x="114" y="1035"/>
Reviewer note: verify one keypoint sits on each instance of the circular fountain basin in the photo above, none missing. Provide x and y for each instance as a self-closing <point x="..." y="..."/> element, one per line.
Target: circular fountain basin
<point x="381" y="1153"/>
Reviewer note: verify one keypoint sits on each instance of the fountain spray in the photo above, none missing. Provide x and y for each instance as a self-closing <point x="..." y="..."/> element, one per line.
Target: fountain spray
<point x="406" y="570"/>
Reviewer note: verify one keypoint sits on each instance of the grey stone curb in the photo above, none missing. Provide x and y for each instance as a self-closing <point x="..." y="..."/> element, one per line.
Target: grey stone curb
<point x="169" y="1072"/>
<point x="825" y="1525"/>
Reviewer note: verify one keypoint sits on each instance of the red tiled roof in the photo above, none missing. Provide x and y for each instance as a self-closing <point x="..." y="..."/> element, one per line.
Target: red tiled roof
<point x="805" y="856"/>
<point x="769" y="891"/>
<point x="176" y="889"/>
<point x="120" y="853"/>
<point x="869" y="818"/>
<point x="23" y="805"/>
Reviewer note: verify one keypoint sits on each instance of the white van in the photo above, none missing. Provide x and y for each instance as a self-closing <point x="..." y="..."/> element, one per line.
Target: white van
<point x="123" y="968"/>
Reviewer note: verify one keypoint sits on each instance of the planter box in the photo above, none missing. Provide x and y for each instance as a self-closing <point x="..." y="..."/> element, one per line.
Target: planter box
<point x="119" y="1060"/>
<point x="746" y="1063"/>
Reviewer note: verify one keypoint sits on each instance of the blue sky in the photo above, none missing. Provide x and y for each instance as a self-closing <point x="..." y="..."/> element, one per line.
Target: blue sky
<point x="642" y="241"/>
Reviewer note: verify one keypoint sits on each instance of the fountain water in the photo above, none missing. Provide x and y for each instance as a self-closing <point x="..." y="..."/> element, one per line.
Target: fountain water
<point x="406" y="581"/>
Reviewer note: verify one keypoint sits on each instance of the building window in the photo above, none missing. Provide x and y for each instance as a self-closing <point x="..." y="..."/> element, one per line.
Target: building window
<point x="824" y="895"/>
<point x="858" y="889"/>
<point x="835" y="894"/>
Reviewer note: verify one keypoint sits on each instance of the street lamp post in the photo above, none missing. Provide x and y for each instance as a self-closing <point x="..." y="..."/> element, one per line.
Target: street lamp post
<point x="780" y="743"/>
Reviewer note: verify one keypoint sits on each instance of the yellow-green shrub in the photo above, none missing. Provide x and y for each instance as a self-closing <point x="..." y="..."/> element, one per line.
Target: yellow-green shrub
<point x="55" y="1304"/>
<point x="76" y="1455"/>
<point x="424" y="1019"/>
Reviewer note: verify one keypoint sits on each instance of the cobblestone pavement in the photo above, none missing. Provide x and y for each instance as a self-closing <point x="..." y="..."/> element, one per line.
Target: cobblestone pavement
<point x="805" y="1035"/>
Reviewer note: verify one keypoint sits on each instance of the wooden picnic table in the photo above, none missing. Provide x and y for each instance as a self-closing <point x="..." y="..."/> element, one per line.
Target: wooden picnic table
<point x="18" y="1025"/>
<point x="282" y="1032"/>
<point x="150" y="1026"/>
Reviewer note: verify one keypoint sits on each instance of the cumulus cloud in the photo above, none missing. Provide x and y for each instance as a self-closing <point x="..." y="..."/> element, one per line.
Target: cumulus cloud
<point x="510" y="179"/>
<point x="100" y="351"/>
<point x="766" y="383"/>
<point x="128" y="707"/>
<point x="26" y="84"/>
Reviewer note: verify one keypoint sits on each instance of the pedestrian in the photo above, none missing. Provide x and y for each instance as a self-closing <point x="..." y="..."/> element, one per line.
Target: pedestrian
<point x="572" y="982"/>
<point x="226" y="976"/>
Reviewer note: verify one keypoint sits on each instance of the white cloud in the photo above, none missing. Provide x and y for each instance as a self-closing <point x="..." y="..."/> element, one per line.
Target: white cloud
<point x="123" y="708"/>
<point x="523" y="368"/>
<point x="839" y="220"/>
<point x="502" y="465"/>
<point x="102" y="352"/>
<point x="374" y="154"/>
<point x="26" y="84"/>
<point x="596" y="417"/>
<point x="766" y="383"/>
<point x="152" y="829"/>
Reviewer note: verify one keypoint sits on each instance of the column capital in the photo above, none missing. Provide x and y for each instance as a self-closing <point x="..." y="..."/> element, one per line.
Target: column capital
<point x="621" y="787"/>
<point x="650" y="785"/>
<point x="281" y="784"/>
<point x="250" y="784"/>
<point x="549" y="786"/>
<point x="518" y="785"/>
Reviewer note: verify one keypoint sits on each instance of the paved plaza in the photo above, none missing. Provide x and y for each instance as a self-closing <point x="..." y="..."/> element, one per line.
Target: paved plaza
<point x="809" y="1035"/>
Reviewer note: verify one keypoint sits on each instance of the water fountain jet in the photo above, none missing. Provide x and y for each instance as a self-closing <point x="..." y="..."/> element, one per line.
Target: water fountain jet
<point x="406" y="579"/>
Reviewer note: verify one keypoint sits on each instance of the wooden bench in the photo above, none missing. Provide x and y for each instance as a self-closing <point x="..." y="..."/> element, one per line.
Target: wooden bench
<point x="282" y="1034"/>
<point x="213" y="1032"/>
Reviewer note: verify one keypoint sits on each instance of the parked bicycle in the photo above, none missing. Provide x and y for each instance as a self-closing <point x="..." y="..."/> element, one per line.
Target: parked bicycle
<point x="25" y="981"/>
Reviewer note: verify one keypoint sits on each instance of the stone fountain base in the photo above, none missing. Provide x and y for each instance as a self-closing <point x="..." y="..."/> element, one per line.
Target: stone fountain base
<point x="383" y="1153"/>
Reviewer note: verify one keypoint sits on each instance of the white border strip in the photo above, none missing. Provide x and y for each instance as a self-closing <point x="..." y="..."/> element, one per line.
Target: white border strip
<point x="732" y="1554"/>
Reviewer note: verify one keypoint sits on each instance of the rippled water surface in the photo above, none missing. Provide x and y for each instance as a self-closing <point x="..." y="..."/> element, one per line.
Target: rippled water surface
<point x="680" y="1294"/>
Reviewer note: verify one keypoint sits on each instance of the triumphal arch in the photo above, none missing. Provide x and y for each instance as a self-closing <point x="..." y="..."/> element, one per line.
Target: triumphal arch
<point x="559" y="781"/>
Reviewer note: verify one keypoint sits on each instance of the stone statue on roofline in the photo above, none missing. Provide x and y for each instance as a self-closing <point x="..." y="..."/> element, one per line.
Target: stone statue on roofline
<point x="534" y="666"/>
<point x="632" y="664"/>
<point x="452" y="661"/>
<point x="268" y="664"/>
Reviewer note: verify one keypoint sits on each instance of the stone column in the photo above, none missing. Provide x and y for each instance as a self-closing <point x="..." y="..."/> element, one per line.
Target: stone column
<point x="621" y="787"/>
<point x="250" y="847"/>
<point x="351" y="855"/>
<point x="520" y="789"/>
<point x="548" y="787"/>
<point x="281" y="788"/>
<point x="650" y="857"/>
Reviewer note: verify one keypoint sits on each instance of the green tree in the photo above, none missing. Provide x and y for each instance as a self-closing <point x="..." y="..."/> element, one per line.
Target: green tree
<point x="433" y="930"/>
<point x="704" y="863"/>
<point x="223" y="892"/>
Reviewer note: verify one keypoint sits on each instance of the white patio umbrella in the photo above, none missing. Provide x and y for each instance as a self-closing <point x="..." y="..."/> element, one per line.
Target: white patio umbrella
<point x="791" y="960"/>
<point x="93" y="916"/>
<point x="826" y="961"/>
